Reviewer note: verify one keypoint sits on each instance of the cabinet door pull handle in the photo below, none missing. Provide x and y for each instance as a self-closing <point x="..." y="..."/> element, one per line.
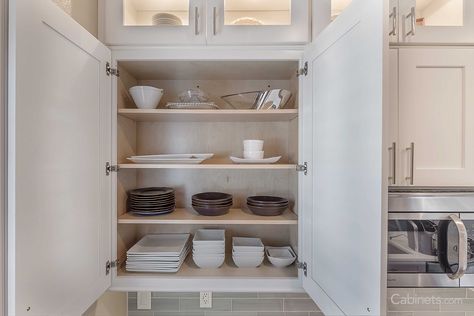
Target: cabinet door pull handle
<point x="196" y="21"/>
<point x="393" y="169"/>
<point x="394" y="18"/>
<point x="412" y="17"/>
<point x="462" y="247"/>
<point x="411" y="149"/>
<point x="214" y="20"/>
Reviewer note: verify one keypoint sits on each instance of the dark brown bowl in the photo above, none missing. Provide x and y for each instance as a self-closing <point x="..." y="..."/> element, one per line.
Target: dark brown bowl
<point x="212" y="205"/>
<point x="212" y="197"/>
<point x="211" y="211"/>
<point x="266" y="199"/>
<point x="268" y="204"/>
<point x="267" y="211"/>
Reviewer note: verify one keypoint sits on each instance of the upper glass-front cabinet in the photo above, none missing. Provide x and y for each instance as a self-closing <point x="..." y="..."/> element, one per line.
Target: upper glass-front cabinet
<point x="197" y="22"/>
<point x="153" y="22"/>
<point x="156" y="13"/>
<point x="258" y="22"/>
<point x="433" y="21"/>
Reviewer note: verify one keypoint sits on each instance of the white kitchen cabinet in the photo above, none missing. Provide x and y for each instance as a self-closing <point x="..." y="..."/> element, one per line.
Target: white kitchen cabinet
<point x="70" y="137"/>
<point x="436" y="116"/>
<point x="222" y="22"/>
<point x="436" y="21"/>
<point x="393" y="151"/>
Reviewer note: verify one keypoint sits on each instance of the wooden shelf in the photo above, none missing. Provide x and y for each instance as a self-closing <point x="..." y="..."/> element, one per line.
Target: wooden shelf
<point x="227" y="270"/>
<point x="165" y="115"/>
<point x="209" y="166"/>
<point x="234" y="217"/>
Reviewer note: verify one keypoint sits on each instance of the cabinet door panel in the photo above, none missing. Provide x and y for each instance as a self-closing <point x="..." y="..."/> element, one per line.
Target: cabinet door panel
<point x="133" y="22"/>
<point x="61" y="198"/>
<point x="344" y="193"/>
<point x="437" y="115"/>
<point x="437" y="21"/>
<point x="394" y="152"/>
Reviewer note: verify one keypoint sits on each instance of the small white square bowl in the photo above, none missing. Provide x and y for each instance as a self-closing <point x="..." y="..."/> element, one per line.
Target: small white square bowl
<point x="245" y="244"/>
<point x="210" y="237"/>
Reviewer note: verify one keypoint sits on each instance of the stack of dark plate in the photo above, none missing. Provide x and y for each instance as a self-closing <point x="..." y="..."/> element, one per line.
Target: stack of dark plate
<point x="151" y="201"/>
<point x="212" y="203"/>
<point x="267" y="205"/>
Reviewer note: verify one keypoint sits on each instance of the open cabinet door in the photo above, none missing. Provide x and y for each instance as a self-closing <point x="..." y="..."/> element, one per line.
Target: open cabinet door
<point x="60" y="141"/>
<point x="344" y="208"/>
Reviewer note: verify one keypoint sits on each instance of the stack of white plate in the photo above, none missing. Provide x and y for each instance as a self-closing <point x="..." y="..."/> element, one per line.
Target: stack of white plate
<point x="158" y="253"/>
<point x="247" y="252"/>
<point x="209" y="248"/>
<point x="166" y="19"/>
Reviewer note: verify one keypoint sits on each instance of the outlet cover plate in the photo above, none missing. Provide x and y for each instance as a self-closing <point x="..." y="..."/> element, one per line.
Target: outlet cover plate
<point x="205" y="299"/>
<point x="144" y="300"/>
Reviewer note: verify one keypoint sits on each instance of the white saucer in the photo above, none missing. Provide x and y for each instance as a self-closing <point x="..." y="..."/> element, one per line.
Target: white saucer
<point x="255" y="161"/>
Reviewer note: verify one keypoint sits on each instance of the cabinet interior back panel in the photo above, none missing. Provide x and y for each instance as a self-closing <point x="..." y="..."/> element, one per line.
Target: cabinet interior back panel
<point x="216" y="88"/>
<point x="221" y="138"/>
<point x="239" y="183"/>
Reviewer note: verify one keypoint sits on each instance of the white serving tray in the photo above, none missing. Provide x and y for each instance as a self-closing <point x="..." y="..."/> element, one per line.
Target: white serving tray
<point x="255" y="161"/>
<point x="171" y="159"/>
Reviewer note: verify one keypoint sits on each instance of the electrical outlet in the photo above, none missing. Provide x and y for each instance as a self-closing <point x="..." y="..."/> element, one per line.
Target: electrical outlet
<point x="205" y="299"/>
<point x="143" y="300"/>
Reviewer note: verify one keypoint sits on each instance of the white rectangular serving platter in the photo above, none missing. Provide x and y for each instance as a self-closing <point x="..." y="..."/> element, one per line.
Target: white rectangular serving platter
<point x="170" y="159"/>
<point x="160" y="244"/>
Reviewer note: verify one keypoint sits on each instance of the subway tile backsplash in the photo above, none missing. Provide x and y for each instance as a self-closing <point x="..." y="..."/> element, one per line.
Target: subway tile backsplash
<point x="400" y="302"/>
<point x="227" y="304"/>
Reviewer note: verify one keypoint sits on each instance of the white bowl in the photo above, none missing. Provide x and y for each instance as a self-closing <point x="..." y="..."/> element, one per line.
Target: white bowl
<point x="253" y="145"/>
<point x="146" y="97"/>
<point x="280" y="256"/>
<point x="247" y="261"/>
<point x="248" y="253"/>
<point x="253" y="154"/>
<point x="208" y="251"/>
<point x="209" y="237"/>
<point x="208" y="261"/>
<point x="244" y="244"/>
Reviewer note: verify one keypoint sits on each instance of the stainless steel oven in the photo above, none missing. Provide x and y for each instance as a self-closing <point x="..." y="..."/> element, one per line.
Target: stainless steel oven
<point x="431" y="237"/>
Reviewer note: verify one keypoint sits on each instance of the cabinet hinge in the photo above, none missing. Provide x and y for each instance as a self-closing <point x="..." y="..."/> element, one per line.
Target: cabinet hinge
<point x="302" y="168"/>
<point x="109" y="265"/>
<point x="111" y="71"/>
<point x="302" y="266"/>
<point x="110" y="168"/>
<point x="303" y="71"/>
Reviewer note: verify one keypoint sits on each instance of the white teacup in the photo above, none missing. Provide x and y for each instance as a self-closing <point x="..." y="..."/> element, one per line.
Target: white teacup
<point x="253" y="145"/>
<point x="254" y="154"/>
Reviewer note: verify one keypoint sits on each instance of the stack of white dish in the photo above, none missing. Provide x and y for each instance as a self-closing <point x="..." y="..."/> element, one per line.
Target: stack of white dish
<point x="209" y="248"/>
<point x="254" y="153"/>
<point x="247" y="252"/>
<point x="158" y="253"/>
<point x="166" y="19"/>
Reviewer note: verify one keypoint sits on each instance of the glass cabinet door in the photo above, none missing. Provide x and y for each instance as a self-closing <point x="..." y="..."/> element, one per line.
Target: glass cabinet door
<point x="154" y="22"/>
<point x="258" y="22"/>
<point x="437" y="21"/>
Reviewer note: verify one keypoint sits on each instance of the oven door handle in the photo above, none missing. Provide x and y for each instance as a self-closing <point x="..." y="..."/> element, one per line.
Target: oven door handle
<point x="462" y="247"/>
